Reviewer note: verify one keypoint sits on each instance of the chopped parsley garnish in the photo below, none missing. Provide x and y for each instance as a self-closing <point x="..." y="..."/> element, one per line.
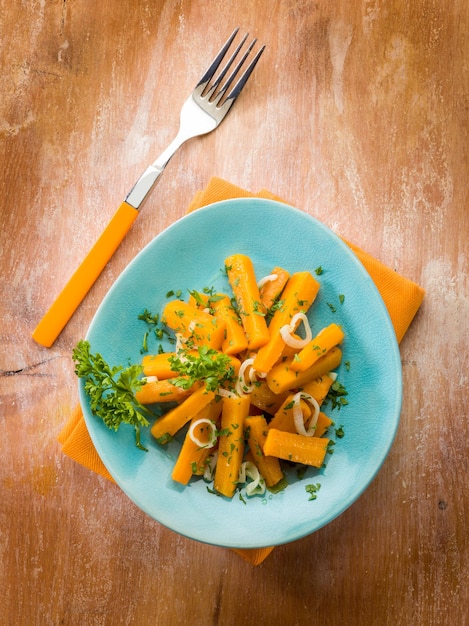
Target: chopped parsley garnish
<point x="313" y="489"/>
<point x="149" y="317"/>
<point x="339" y="432"/>
<point x="336" y="395"/>
<point x="152" y="320"/>
<point x="111" y="390"/>
<point x="206" y="298"/>
<point x="278" y="304"/>
<point x="175" y="294"/>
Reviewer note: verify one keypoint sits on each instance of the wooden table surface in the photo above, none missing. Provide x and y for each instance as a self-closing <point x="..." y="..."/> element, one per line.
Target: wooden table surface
<point x="357" y="114"/>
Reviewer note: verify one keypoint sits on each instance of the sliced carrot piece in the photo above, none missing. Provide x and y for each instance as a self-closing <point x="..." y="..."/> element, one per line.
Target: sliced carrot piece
<point x="326" y="339"/>
<point x="230" y="444"/>
<point x="282" y="377"/>
<point x="296" y="448"/>
<point x="167" y="426"/>
<point x="268" y="466"/>
<point x="298" y="295"/>
<point x="271" y="290"/>
<point x="240" y="272"/>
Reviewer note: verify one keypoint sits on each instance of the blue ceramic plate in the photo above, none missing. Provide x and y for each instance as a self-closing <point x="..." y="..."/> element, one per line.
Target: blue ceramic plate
<point x="190" y="254"/>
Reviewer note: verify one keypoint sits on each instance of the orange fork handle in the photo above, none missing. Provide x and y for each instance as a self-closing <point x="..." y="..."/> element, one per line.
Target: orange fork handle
<point x="53" y="322"/>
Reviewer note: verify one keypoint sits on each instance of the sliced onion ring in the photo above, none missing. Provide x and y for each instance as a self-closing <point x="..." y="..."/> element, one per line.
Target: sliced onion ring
<point x="226" y="393"/>
<point x="298" y="414"/>
<point x="212" y="438"/>
<point x="266" y="279"/>
<point x="287" y="331"/>
<point x="241" y="385"/>
<point x="257" y="484"/>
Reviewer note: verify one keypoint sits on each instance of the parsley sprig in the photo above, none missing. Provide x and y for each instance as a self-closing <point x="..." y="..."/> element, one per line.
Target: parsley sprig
<point x="208" y="365"/>
<point x="111" y="390"/>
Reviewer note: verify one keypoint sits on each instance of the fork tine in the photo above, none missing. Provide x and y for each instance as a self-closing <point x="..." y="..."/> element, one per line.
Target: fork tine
<point x="233" y="74"/>
<point x="217" y="60"/>
<point x="227" y="66"/>
<point x="234" y="93"/>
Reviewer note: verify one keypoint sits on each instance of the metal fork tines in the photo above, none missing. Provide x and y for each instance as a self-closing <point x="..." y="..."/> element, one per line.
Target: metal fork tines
<point x="205" y="108"/>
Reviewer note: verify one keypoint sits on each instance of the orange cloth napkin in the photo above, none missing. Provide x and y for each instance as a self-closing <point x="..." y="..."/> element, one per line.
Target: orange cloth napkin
<point x="401" y="296"/>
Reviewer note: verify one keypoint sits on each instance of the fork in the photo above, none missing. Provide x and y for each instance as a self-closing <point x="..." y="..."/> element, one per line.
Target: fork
<point x="204" y="110"/>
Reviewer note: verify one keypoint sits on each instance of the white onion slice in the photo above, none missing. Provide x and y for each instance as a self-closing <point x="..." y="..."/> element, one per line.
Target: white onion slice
<point x="241" y="385"/>
<point x="298" y="414"/>
<point x="212" y="437"/>
<point x="257" y="484"/>
<point x="180" y="347"/>
<point x="287" y="332"/>
<point x="266" y="279"/>
<point x="332" y="375"/>
<point x="210" y="466"/>
<point x="226" y="393"/>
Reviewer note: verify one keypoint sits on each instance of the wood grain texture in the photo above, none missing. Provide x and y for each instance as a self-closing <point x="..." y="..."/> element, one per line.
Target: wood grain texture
<point x="358" y="114"/>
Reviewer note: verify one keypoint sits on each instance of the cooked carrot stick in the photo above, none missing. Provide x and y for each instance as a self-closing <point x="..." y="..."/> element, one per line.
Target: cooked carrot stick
<point x="235" y="340"/>
<point x="282" y="377"/>
<point x="298" y="295"/>
<point x="296" y="448"/>
<point x="268" y="466"/>
<point x="162" y="391"/>
<point x="271" y="289"/>
<point x="263" y="398"/>
<point x="326" y="339"/>
<point x="191" y="458"/>
<point x="318" y="388"/>
<point x="197" y="326"/>
<point x="230" y="444"/>
<point x="167" y="426"/>
<point x="283" y="418"/>
<point x="240" y="272"/>
<point x="159" y="365"/>
<point x="322" y="425"/>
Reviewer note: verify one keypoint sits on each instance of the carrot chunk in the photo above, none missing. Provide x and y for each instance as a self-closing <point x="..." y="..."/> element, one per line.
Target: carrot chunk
<point x="197" y="326"/>
<point x="268" y="466"/>
<point x="231" y="444"/>
<point x="282" y="377"/>
<point x="240" y="272"/>
<point x="168" y="425"/>
<point x="326" y="339"/>
<point x="298" y="295"/>
<point x="271" y="290"/>
<point x="191" y="458"/>
<point x="296" y="448"/>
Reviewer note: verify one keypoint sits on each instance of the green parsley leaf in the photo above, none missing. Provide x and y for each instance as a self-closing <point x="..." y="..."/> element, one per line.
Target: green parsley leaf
<point x="149" y="317"/>
<point x="336" y="395"/>
<point x="211" y="367"/>
<point x="339" y="432"/>
<point x="312" y="489"/>
<point x="111" y="390"/>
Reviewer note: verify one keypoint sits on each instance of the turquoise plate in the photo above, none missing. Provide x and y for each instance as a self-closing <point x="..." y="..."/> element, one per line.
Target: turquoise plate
<point x="190" y="254"/>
